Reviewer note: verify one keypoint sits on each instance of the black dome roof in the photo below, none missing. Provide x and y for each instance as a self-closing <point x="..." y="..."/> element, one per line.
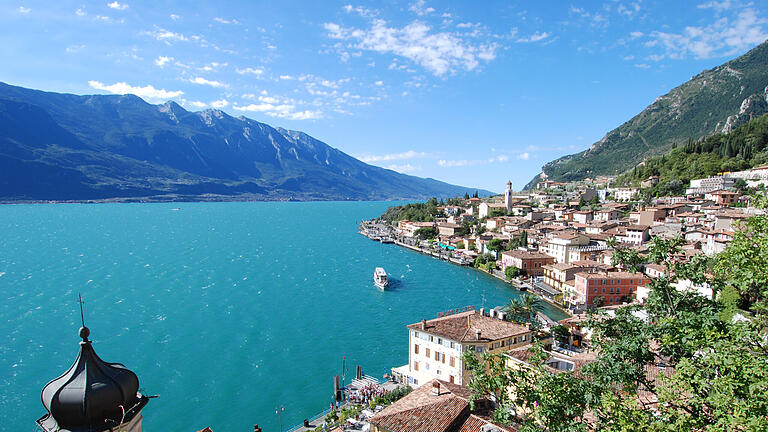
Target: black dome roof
<point x="92" y="395"/>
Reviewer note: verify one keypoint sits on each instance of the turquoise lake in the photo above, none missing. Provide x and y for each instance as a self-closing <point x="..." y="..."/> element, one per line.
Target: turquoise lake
<point x="224" y="310"/>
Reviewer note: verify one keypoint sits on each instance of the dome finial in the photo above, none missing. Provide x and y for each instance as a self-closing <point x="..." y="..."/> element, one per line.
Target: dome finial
<point x="84" y="331"/>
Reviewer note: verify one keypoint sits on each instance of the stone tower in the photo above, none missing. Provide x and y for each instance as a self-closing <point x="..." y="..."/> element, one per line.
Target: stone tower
<point x="508" y="196"/>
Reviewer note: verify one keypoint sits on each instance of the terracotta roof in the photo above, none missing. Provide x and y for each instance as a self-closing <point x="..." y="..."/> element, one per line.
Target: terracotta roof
<point x="526" y="255"/>
<point x="637" y="227"/>
<point x="611" y="275"/>
<point x="422" y="411"/>
<point x="462" y="327"/>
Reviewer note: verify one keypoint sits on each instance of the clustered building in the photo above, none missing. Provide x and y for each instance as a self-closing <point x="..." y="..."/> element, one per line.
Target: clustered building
<point x="564" y="232"/>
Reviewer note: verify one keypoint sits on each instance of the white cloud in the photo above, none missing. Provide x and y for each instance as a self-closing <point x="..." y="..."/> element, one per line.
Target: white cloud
<point x="203" y="81"/>
<point x="363" y="12"/>
<point x="724" y="37"/>
<point x="419" y="8"/>
<point x="220" y="103"/>
<point x="166" y="35"/>
<point x="537" y="36"/>
<point x="439" y="52"/>
<point x="629" y="10"/>
<point x="452" y="163"/>
<point x="197" y="104"/>
<point x="410" y="154"/>
<point x="81" y="12"/>
<point x="404" y="168"/>
<point x="277" y="107"/>
<point x="642" y="66"/>
<point x="174" y="17"/>
<point x="74" y="48"/>
<point x="213" y="66"/>
<point x="464" y="162"/>
<point x="250" y="71"/>
<point x="162" y="60"/>
<point x="24" y="10"/>
<point x="226" y="21"/>
<point x="524" y="156"/>
<point x="147" y="92"/>
<point x="117" y="6"/>
<point x="379" y="83"/>
<point x="716" y="5"/>
<point x="281" y="111"/>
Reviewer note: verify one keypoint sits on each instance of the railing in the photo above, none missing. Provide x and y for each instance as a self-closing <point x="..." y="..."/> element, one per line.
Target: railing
<point x="320" y="415"/>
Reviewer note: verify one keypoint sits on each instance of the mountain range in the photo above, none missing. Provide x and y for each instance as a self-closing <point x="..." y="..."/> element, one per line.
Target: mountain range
<point x="714" y="101"/>
<point x="63" y="147"/>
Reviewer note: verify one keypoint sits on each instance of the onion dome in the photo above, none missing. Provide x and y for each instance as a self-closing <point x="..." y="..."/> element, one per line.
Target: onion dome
<point x="92" y="395"/>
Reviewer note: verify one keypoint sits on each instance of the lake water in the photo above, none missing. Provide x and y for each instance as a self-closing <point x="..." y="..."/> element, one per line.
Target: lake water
<point x="224" y="310"/>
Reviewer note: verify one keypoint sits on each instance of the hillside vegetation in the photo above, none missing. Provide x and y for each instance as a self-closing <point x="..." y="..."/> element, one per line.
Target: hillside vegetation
<point x="714" y="101"/>
<point x="742" y="148"/>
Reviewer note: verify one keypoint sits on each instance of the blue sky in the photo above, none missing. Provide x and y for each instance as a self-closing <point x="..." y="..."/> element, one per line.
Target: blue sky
<point x="472" y="93"/>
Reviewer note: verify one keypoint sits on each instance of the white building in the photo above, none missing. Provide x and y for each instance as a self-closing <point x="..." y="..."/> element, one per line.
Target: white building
<point x="625" y="194"/>
<point x="435" y="347"/>
<point x="560" y="246"/>
<point x="709" y="184"/>
<point x="485" y="209"/>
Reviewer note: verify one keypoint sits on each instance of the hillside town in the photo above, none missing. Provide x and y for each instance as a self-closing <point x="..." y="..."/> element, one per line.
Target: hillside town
<point x="570" y="232"/>
<point x="565" y="238"/>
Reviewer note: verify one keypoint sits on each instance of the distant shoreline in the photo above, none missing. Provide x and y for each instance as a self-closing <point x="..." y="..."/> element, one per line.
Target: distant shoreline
<point x="199" y="199"/>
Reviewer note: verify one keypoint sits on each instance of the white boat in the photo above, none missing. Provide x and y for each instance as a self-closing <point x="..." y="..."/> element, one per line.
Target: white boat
<point x="380" y="278"/>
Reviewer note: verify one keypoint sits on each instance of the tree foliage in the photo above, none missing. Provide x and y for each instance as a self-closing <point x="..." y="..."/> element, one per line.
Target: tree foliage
<point x="675" y="363"/>
<point x="742" y="148"/>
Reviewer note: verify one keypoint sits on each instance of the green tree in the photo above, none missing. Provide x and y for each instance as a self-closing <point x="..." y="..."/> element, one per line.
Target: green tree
<point x="523" y="310"/>
<point x="512" y="272"/>
<point x="425" y="233"/>
<point x="497" y="245"/>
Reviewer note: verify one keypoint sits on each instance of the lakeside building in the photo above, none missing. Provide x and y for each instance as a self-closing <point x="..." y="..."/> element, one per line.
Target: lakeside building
<point x="437" y="406"/>
<point x="560" y="246"/>
<point x="613" y="287"/>
<point x="93" y="396"/>
<point x="531" y="262"/>
<point x="436" y="346"/>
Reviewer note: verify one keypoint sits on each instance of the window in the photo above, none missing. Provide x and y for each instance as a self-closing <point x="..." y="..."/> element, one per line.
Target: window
<point x="443" y="358"/>
<point x="415" y="349"/>
<point x="452" y="344"/>
<point x="437" y="356"/>
<point x="438" y="372"/>
<point x="452" y="362"/>
<point x="603" y="290"/>
<point x="439" y="341"/>
<point x="595" y="290"/>
<point x="450" y="379"/>
<point x="415" y="334"/>
<point x="611" y="290"/>
<point x="431" y="339"/>
<point x="415" y="365"/>
<point x="514" y="341"/>
<point x="427" y="352"/>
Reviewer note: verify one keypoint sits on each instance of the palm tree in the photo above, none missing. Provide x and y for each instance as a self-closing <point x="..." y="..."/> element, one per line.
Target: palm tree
<point x="524" y="309"/>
